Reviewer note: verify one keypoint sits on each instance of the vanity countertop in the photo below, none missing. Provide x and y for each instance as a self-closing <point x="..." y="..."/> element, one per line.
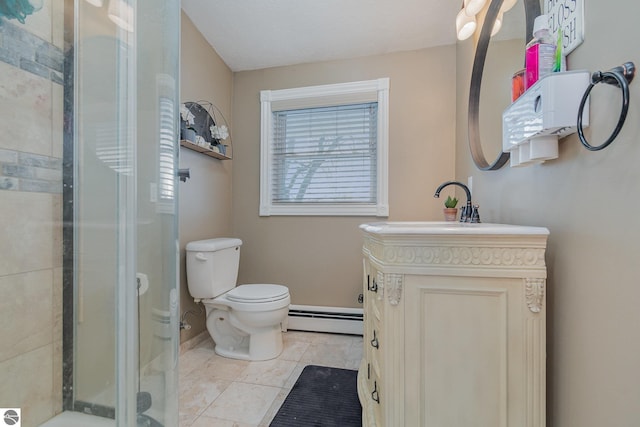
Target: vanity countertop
<point x="449" y="228"/>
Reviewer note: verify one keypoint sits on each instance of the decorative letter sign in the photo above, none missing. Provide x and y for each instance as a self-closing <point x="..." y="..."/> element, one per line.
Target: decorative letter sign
<point x="568" y="16"/>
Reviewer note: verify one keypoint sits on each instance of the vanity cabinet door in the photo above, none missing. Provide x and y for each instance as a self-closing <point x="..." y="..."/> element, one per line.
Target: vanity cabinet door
<point x="465" y="352"/>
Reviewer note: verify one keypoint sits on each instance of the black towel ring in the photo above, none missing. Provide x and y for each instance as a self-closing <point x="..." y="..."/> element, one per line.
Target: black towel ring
<point x="619" y="76"/>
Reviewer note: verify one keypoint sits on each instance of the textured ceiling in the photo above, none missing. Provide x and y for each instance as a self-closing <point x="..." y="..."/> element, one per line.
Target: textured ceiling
<point x="255" y="34"/>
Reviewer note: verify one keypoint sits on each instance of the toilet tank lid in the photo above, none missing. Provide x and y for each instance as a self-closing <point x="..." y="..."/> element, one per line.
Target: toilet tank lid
<point x="211" y="245"/>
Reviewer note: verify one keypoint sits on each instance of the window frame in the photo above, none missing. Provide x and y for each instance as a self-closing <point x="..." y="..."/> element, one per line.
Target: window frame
<point x="321" y="96"/>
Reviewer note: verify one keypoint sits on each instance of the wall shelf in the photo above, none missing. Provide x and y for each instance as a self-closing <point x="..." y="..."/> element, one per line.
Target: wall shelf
<point x="206" y="151"/>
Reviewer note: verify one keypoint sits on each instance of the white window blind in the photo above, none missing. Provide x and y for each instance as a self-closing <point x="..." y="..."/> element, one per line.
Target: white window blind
<point x="325" y="155"/>
<point x="166" y="161"/>
<point x="324" y="149"/>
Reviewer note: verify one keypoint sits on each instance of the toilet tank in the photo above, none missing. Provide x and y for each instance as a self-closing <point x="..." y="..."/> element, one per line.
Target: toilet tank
<point x="212" y="266"/>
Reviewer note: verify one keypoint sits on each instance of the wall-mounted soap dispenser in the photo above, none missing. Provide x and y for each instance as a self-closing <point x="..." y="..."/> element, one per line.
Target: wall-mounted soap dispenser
<point x="547" y="111"/>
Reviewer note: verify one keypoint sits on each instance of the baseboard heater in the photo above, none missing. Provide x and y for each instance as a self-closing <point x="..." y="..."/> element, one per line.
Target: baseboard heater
<point x="338" y="320"/>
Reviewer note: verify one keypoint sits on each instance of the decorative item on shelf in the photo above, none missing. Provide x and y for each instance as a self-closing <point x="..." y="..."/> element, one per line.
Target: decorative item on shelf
<point x="187" y="131"/>
<point x="450" y="210"/>
<point x="200" y="126"/>
<point x="219" y="133"/>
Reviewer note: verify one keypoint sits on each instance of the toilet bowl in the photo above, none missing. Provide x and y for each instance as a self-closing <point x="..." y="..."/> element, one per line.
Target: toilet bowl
<point x="248" y="329"/>
<point x="244" y="321"/>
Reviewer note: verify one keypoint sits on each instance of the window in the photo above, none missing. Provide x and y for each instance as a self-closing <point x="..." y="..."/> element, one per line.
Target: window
<point x="324" y="150"/>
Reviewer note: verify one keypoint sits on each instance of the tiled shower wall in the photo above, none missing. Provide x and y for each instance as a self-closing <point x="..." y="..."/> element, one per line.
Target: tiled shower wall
<point x="31" y="124"/>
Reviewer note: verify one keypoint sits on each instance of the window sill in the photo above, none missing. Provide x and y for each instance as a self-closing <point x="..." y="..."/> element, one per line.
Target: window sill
<point x="325" y="210"/>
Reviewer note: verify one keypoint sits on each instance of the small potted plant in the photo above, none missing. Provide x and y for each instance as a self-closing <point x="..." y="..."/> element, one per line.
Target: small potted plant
<point x="450" y="210"/>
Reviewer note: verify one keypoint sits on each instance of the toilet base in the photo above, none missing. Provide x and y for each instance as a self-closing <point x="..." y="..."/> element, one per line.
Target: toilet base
<point x="264" y="345"/>
<point x="254" y="344"/>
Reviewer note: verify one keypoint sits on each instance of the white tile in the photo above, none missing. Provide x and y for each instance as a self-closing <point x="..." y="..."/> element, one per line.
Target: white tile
<point x="196" y="358"/>
<point x="245" y="403"/>
<point x="26" y="245"/>
<point x="225" y="368"/>
<point x="269" y="372"/>
<point x="26" y="126"/>
<point x="332" y="355"/>
<point x="198" y="392"/>
<point x="301" y="336"/>
<point x="335" y="339"/>
<point x="26" y="308"/>
<point x="187" y="420"/>
<point x="204" y="421"/>
<point x="27" y="384"/>
<point x="294" y="347"/>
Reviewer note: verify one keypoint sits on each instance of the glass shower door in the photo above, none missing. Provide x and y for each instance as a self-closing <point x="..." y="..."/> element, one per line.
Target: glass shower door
<point x="120" y="178"/>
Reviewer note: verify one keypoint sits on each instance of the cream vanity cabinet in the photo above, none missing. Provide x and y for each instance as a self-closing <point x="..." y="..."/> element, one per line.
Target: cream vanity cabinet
<point x="454" y="329"/>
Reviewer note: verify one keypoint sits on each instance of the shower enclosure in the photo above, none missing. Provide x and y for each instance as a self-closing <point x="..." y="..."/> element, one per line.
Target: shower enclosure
<point x="106" y="345"/>
<point x="120" y="199"/>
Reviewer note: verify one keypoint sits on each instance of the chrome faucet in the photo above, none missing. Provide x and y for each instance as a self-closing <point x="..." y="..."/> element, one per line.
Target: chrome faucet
<point x="468" y="213"/>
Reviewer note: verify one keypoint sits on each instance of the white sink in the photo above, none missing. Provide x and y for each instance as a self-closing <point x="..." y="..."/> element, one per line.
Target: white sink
<point x="456" y="228"/>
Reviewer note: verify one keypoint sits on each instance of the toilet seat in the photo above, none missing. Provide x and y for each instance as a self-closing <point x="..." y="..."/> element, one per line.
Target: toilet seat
<point x="255" y="298"/>
<point x="257" y="293"/>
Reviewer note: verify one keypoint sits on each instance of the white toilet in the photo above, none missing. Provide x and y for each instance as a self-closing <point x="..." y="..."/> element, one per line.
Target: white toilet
<point x="244" y="321"/>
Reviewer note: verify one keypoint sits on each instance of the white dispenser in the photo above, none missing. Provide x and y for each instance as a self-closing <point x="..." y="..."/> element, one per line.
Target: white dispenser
<point x="548" y="110"/>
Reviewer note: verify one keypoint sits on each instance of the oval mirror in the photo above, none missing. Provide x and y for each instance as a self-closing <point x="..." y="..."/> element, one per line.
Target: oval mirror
<point x="496" y="59"/>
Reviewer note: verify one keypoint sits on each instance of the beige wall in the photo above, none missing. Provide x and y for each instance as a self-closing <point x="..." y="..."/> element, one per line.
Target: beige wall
<point x="205" y="199"/>
<point x="319" y="258"/>
<point x="589" y="203"/>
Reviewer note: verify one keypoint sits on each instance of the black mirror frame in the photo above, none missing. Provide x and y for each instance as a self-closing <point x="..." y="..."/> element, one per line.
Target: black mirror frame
<point x="532" y="10"/>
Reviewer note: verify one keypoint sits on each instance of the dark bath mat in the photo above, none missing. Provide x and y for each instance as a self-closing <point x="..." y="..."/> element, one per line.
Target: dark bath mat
<point x="322" y="397"/>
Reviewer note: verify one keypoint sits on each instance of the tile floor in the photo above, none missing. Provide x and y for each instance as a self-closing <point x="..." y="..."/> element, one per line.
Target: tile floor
<point x="219" y="392"/>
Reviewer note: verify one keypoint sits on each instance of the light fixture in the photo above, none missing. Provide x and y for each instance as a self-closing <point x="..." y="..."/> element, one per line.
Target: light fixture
<point x="121" y="13"/>
<point x="96" y="3"/>
<point x="507" y="4"/>
<point x="473" y="7"/>
<point x="465" y="25"/>
<point x="497" y="24"/>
